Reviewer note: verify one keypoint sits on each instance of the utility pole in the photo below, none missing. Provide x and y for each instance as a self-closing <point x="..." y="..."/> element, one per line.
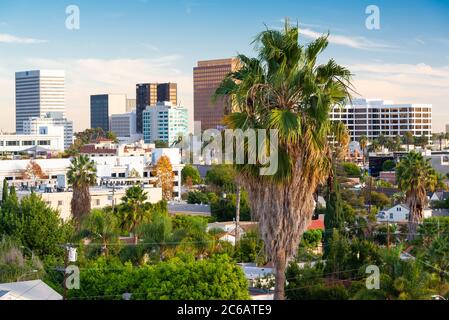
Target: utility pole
<point x="237" y="214"/>
<point x="388" y="233"/>
<point x="113" y="193"/>
<point x="66" y="262"/>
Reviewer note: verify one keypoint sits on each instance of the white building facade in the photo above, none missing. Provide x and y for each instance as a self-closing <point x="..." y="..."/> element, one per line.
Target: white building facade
<point x="372" y="118"/>
<point x="48" y="124"/>
<point x="32" y="143"/>
<point x="37" y="93"/>
<point x="164" y="122"/>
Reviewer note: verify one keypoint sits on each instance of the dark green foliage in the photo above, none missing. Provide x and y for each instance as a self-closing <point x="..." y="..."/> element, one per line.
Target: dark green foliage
<point x="34" y="224"/>
<point x="176" y="279"/>
<point x="222" y="176"/>
<point x="250" y="248"/>
<point x="380" y="200"/>
<point x="197" y="197"/>
<point x="5" y="190"/>
<point x="224" y="209"/>
<point x="350" y="170"/>
<point x="191" y="172"/>
<point x="312" y="238"/>
<point x="388" y="165"/>
<point x="309" y="283"/>
<point x="333" y="219"/>
<point x="161" y="144"/>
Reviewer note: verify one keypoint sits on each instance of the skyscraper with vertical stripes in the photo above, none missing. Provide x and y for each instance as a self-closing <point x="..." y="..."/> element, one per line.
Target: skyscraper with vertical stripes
<point x="39" y="92"/>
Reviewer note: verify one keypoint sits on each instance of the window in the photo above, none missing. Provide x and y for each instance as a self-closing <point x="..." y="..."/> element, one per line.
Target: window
<point x="12" y="143"/>
<point x="59" y="202"/>
<point x="391" y="216"/>
<point x="43" y="142"/>
<point x="97" y="202"/>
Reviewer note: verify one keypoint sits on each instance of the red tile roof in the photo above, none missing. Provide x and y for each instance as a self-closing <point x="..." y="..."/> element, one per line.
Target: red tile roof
<point x="91" y="149"/>
<point x="316" y="224"/>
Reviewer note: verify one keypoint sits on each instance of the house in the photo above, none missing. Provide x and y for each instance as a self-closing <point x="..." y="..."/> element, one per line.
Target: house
<point x="439" y="196"/>
<point x="228" y="229"/>
<point x="28" y="290"/>
<point x="399" y="213"/>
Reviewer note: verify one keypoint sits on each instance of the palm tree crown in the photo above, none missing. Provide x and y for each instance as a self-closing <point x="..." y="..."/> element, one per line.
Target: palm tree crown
<point x="81" y="175"/>
<point x="415" y="176"/>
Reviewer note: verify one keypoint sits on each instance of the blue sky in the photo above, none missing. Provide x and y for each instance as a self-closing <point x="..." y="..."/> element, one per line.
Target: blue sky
<point x="122" y="42"/>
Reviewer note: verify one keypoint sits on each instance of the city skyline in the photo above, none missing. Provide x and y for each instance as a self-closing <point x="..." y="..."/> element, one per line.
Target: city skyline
<point x="407" y="60"/>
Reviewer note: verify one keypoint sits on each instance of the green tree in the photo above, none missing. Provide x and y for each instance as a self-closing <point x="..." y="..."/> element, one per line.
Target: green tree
<point x="415" y="176"/>
<point x="5" y="190"/>
<point x="224" y="209"/>
<point x="333" y="219"/>
<point x="388" y="165"/>
<point x="132" y="210"/>
<point x="81" y="175"/>
<point x="197" y="197"/>
<point x="408" y="139"/>
<point x="217" y="278"/>
<point x="192" y="172"/>
<point x="100" y="226"/>
<point x="43" y="230"/>
<point x="351" y="170"/>
<point x="380" y="200"/>
<point x="363" y="141"/>
<point x="11" y="216"/>
<point x="285" y="89"/>
<point x="222" y="176"/>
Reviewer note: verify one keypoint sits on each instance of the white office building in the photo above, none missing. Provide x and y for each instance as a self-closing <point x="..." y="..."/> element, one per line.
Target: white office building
<point x="37" y="93"/>
<point x="14" y="144"/>
<point x="374" y="117"/>
<point x="124" y="124"/>
<point x="46" y="125"/>
<point x="164" y="122"/>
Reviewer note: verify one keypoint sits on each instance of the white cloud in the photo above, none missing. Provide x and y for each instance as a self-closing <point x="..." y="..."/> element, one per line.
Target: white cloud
<point x="352" y="42"/>
<point x="8" y="38"/>
<point x="85" y="77"/>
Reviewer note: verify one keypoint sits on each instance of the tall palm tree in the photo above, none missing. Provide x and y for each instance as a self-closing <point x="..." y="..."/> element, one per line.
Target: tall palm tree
<point x="415" y="176"/>
<point x="363" y="141"/>
<point x="81" y="175"/>
<point x="132" y="210"/>
<point x="284" y="89"/>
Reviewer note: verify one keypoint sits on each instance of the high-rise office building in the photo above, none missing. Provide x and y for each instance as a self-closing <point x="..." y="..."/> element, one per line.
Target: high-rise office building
<point x="207" y="76"/>
<point x="372" y="118"/>
<point x="149" y="94"/>
<point x="37" y="93"/>
<point x="46" y="123"/>
<point x="102" y="106"/>
<point x="164" y="122"/>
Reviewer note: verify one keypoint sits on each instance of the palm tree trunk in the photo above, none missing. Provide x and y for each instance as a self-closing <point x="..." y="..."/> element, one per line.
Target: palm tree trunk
<point x="415" y="217"/>
<point x="284" y="211"/>
<point x="280" y="266"/>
